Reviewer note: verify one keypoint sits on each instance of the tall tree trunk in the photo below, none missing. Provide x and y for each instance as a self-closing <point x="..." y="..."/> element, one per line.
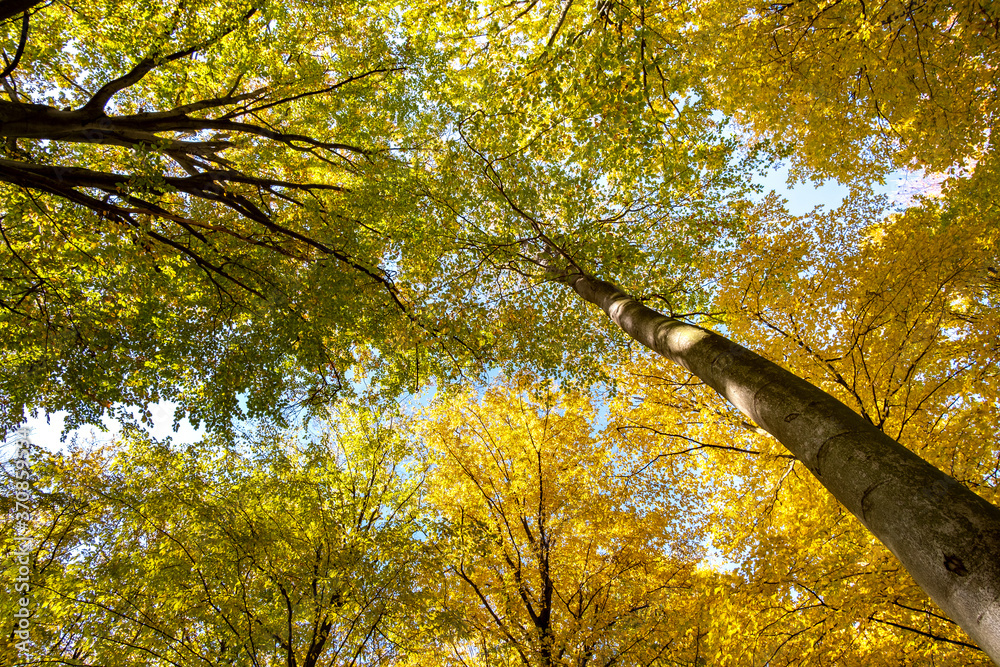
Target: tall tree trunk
<point x="946" y="536"/>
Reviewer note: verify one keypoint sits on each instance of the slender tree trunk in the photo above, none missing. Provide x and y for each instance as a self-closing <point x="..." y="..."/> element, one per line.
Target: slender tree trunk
<point x="946" y="536"/>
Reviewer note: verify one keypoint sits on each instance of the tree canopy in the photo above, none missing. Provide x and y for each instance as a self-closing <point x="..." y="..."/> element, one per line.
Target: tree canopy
<point x="271" y="213"/>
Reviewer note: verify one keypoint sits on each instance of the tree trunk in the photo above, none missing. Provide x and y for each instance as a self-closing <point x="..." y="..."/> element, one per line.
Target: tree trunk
<point x="946" y="536"/>
<point x="11" y="8"/>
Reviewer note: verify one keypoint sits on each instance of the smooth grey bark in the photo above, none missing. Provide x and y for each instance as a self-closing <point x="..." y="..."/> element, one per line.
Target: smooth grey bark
<point x="946" y="536"/>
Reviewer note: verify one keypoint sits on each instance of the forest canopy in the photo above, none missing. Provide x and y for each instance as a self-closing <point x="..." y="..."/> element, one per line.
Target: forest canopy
<point x="362" y="243"/>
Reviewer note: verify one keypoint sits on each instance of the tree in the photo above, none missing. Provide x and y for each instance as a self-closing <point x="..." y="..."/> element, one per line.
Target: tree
<point x="946" y="536"/>
<point x="797" y="579"/>
<point x="855" y="87"/>
<point x="334" y="258"/>
<point x="538" y="216"/>
<point x="881" y="468"/>
<point x="924" y="516"/>
<point x="561" y="546"/>
<point x="183" y="192"/>
<point x="904" y="338"/>
<point x="273" y="550"/>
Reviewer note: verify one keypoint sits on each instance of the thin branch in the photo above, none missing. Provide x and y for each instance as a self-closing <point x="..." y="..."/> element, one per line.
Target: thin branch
<point x="335" y="86"/>
<point x="146" y="65"/>
<point x="562" y="20"/>
<point x="926" y="634"/>
<point x="20" y="48"/>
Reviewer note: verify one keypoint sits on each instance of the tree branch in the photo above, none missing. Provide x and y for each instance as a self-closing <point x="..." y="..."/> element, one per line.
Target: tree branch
<point x="20" y="49"/>
<point x="11" y="8"/>
<point x="926" y="634"/>
<point x="144" y="66"/>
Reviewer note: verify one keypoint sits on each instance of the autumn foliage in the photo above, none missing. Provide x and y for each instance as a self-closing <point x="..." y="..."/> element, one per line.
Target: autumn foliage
<point x="362" y="243"/>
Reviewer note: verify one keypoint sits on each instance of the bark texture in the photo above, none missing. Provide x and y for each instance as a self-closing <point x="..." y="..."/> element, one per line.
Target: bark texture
<point x="946" y="536"/>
